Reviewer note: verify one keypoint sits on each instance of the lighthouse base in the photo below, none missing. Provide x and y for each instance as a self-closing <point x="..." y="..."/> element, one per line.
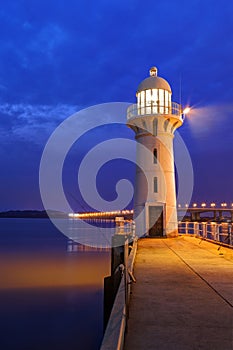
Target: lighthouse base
<point x="172" y="234"/>
<point x="151" y="220"/>
<point x="156" y="221"/>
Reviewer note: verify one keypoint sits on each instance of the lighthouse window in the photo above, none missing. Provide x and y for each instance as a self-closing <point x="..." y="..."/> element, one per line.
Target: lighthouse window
<point x="161" y="100"/>
<point x="148" y="97"/>
<point x="166" y="101"/>
<point x="173" y="128"/>
<point x="142" y="101"/>
<point x="154" y="100"/>
<point x="165" y="125"/>
<point x="139" y="99"/>
<point x="155" y="155"/>
<point x="155" y="184"/>
<point x="155" y="127"/>
<point x="144" y="125"/>
<point x="154" y="96"/>
<point x="148" y="101"/>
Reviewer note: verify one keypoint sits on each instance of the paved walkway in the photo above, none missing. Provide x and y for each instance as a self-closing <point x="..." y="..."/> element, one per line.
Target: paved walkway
<point x="183" y="296"/>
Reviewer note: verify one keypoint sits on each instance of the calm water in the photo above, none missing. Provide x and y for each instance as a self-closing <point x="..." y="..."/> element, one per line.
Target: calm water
<point x="50" y="298"/>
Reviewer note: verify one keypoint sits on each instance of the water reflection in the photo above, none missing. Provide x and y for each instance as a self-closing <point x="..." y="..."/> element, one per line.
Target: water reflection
<point x="51" y="296"/>
<point x="73" y="246"/>
<point x="50" y="318"/>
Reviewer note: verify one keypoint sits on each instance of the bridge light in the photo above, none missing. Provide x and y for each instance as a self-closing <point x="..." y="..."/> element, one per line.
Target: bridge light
<point x="194" y="205"/>
<point x="179" y="206"/>
<point x="224" y="204"/>
<point x="203" y="205"/>
<point x="186" y="205"/>
<point x="213" y="205"/>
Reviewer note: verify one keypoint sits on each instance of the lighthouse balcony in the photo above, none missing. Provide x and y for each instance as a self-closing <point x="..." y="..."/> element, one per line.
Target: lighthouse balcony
<point x="173" y="110"/>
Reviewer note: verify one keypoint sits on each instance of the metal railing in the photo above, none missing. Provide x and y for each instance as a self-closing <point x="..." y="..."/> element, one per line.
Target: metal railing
<point x="135" y="111"/>
<point x="115" y="332"/>
<point x="218" y="232"/>
<point x="126" y="227"/>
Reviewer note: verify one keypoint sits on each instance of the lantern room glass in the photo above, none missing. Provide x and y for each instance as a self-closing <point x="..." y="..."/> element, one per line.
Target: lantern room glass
<point x="154" y="101"/>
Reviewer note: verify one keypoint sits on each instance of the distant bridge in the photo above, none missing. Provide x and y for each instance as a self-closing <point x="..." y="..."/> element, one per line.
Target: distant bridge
<point x="189" y="213"/>
<point x="107" y="215"/>
<point x="216" y="214"/>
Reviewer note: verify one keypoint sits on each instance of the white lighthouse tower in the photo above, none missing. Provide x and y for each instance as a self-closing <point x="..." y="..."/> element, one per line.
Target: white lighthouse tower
<point x="154" y="120"/>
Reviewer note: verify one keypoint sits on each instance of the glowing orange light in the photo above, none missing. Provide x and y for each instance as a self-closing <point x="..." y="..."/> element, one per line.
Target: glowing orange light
<point x="186" y="110"/>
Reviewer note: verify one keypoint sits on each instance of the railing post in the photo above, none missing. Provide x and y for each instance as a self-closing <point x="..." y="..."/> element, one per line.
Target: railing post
<point x="179" y="227"/>
<point x="133" y="228"/>
<point x="214" y="230"/>
<point x="217" y="232"/>
<point x="204" y="229"/>
<point x="186" y="227"/>
<point x="196" y="229"/>
<point x="126" y="277"/>
<point x="120" y="225"/>
<point x="231" y="233"/>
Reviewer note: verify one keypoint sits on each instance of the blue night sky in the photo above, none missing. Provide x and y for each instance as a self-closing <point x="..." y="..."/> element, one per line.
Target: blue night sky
<point x="58" y="57"/>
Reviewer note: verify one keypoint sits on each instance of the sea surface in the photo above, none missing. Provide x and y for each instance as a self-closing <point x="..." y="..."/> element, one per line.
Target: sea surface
<point x="51" y="289"/>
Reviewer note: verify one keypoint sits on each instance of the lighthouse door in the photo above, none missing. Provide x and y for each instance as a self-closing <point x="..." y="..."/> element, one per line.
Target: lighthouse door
<point x="155" y="221"/>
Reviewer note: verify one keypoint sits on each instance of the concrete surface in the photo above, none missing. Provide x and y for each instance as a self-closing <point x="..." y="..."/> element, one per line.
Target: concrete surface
<point x="183" y="296"/>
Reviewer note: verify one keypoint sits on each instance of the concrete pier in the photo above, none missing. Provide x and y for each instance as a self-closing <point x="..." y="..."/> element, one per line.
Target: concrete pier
<point x="183" y="296"/>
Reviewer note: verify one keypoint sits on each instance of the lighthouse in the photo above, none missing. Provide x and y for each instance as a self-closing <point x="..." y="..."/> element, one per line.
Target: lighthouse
<point x="154" y="119"/>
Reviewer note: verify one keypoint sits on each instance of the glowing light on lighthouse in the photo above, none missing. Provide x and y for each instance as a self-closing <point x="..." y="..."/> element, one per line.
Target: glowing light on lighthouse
<point x="186" y="110"/>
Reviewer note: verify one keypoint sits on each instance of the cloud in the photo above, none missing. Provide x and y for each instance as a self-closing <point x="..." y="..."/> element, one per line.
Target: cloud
<point x="32" y="123"/>
<point x="90" y="54"/>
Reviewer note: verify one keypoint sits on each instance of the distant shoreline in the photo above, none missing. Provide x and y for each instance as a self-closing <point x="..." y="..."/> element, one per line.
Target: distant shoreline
<point x="33" y="214"/>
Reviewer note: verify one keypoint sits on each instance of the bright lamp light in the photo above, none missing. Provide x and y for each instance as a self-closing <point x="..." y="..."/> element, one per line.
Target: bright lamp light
<point x="186" y="110"/>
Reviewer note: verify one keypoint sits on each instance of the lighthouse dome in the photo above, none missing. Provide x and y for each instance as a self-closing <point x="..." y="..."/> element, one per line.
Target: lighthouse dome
<point x="154" y="95"/>
<point x="154" y="82"/>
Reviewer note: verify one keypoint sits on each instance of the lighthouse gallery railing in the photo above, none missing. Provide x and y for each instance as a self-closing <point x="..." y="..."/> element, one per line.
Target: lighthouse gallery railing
<point x="134" y="110"/>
